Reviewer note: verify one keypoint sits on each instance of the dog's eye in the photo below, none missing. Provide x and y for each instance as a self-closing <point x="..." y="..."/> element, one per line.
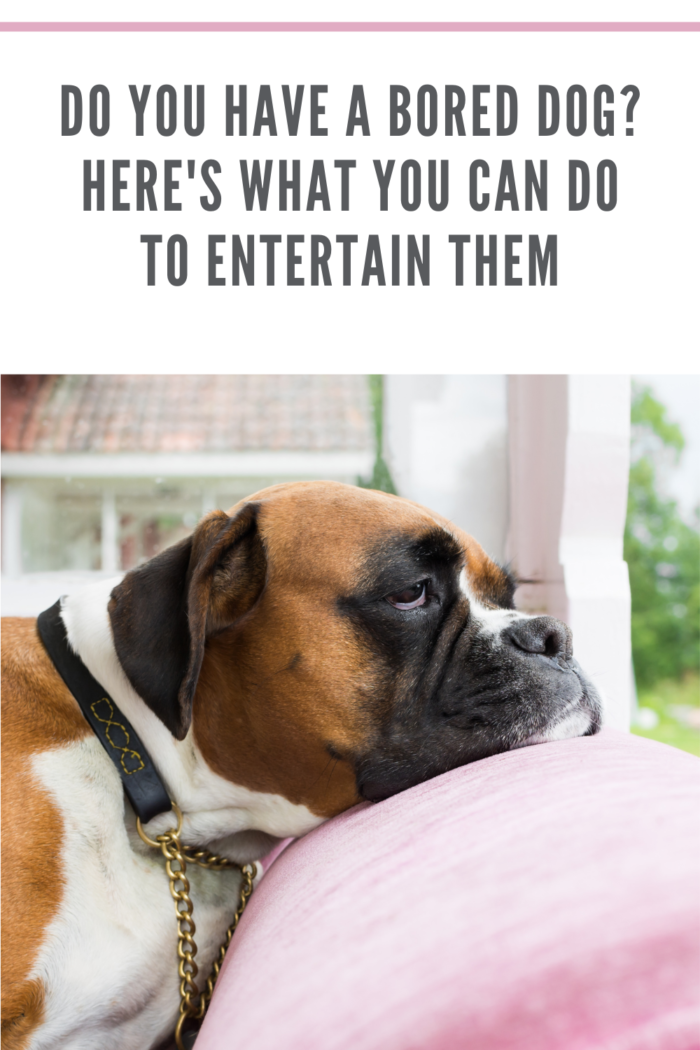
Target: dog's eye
<point x="410" y="598"/>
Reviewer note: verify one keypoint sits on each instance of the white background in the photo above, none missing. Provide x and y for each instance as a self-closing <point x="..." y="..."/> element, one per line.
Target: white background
<point x="74" y="283"/>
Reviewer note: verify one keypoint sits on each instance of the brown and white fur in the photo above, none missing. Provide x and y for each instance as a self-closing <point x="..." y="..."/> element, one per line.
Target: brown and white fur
<point x="317" y="646"/>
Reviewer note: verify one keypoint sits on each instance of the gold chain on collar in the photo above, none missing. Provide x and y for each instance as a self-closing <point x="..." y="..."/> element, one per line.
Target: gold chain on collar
<point x="193" y="1003"/>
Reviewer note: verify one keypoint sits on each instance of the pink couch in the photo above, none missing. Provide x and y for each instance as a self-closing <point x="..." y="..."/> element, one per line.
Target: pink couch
<point x="544" y="899"/>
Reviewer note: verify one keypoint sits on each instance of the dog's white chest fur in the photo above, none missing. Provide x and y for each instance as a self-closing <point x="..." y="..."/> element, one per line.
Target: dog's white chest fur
<point x="109" y="961"/>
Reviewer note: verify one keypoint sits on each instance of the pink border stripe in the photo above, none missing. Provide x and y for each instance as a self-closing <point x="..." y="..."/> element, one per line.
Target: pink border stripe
<point x="349" y="27"/>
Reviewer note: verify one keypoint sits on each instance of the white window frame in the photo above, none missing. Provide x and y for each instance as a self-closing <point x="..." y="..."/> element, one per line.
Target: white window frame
<point x="208" y="469"/>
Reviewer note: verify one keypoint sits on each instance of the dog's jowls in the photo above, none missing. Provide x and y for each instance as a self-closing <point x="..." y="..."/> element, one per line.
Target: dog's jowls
<point x="316" y="646"/>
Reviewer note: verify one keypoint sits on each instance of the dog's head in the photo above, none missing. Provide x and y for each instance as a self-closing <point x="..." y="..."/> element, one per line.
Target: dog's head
<point x="328" y="643"/>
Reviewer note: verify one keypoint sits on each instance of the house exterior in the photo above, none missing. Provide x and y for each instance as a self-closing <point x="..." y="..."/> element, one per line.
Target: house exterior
<point x="101" y="472"/>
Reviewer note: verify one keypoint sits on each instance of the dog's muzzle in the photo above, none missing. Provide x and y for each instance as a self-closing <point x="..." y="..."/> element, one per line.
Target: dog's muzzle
<point x="507" y="690"/>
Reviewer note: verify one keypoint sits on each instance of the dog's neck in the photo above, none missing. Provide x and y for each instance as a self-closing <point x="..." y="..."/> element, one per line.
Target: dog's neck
<point x="215" y="811"/>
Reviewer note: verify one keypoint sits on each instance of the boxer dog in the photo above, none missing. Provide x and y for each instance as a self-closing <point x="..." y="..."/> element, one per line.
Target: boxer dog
<point x="317" y="646"/>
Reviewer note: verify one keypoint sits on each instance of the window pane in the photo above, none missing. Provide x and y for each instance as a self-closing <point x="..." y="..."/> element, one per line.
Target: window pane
<point x="150" y="521"/>
<point x="61" y="527"/>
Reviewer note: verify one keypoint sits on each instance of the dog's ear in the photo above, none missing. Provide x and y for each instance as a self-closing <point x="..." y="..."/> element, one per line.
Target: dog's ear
<point x="163" y="612"/>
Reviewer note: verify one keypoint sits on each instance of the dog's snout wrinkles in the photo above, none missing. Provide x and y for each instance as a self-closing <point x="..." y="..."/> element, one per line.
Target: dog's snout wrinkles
<point x="543" y="635"/>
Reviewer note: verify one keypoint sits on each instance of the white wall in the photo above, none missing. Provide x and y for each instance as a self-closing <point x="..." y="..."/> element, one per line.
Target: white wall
<point x="445" y="442"/>
<point x="31" y="594"/>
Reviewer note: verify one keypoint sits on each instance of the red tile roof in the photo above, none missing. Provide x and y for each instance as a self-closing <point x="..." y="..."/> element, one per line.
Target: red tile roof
<point x="171" y="413"/>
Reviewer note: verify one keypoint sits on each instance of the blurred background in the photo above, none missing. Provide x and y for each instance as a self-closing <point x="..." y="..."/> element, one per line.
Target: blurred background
<point x="589" y="486"/>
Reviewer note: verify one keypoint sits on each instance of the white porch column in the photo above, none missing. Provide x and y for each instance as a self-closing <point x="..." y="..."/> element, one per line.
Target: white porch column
<point x="569" y="466"/>
<point x="110" y="551"/>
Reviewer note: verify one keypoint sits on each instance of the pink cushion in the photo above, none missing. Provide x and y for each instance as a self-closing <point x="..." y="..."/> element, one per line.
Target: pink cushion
<point x="544" y="898"/>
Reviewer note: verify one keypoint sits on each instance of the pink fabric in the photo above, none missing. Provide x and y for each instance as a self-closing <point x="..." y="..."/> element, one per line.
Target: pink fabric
<point x="269" y="859"/>
<point x="544" y="899"/>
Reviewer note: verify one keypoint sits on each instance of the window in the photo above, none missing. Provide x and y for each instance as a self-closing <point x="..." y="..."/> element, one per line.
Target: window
<point x="61" y="526"/>
<point x="107" y="525"/>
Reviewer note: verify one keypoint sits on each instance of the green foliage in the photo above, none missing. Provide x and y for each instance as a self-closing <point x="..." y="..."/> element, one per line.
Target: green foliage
<point x="381" y="476"/>
<point x="663" y="554"/>
<point x="650" y="415"/>
<point x="677" y="706"/>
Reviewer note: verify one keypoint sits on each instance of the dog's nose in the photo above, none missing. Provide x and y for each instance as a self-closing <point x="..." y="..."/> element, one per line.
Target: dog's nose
<point x="543" y="634"/>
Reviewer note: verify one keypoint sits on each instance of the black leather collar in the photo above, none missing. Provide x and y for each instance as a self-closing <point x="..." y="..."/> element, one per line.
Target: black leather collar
<point x="144" y="788"/>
